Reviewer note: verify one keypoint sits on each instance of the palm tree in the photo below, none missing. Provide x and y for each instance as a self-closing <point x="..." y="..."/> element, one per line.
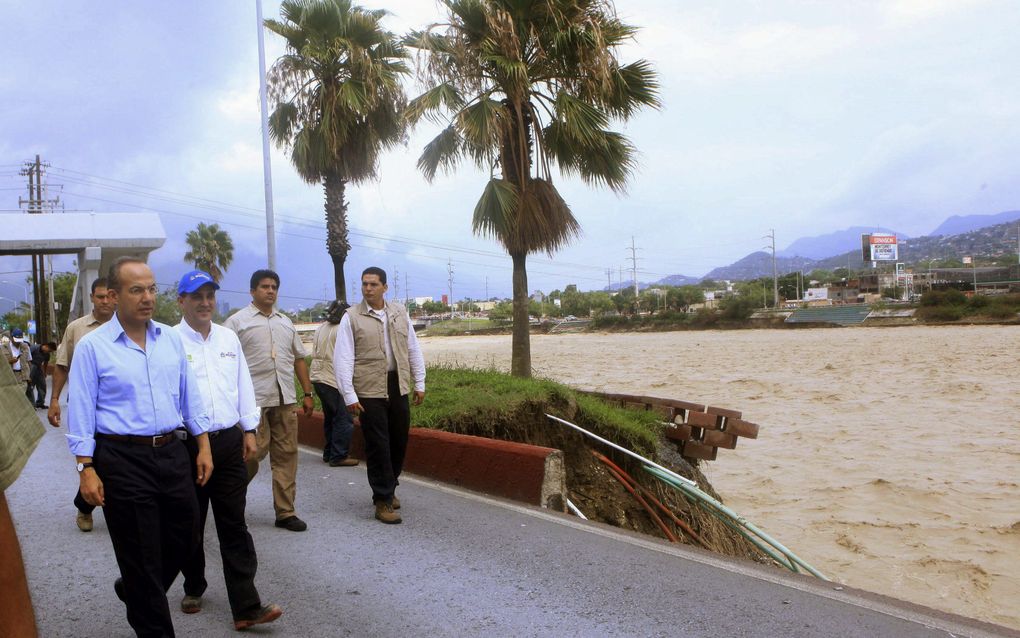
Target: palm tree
<point x="339" y="102"/>
<point x="520" y="86"/>
<point x="210" y="249"/>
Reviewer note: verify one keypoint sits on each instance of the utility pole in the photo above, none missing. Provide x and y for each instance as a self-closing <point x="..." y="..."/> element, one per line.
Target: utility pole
<point x="396" y="283"/>
<point x="43" y="314"/>
<point x="407" y="291"/>
<point x="775" y="272"/>
<point x="633" y="265"/>
<point x="449" y="281"/>
<point x="267" y="171"/>
<point x="609" y="279"/>
<point x="486" y="287"/>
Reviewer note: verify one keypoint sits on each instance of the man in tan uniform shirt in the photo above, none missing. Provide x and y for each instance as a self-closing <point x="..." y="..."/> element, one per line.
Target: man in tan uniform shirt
<point x="102" y="311"/>
<point x="274" y="354"/>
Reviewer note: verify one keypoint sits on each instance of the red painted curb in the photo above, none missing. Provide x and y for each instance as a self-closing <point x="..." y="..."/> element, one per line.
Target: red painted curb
<point x="517" y="471"/>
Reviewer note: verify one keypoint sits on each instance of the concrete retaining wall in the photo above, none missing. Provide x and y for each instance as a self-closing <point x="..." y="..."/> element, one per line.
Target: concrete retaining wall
<point x="517" y="471"/>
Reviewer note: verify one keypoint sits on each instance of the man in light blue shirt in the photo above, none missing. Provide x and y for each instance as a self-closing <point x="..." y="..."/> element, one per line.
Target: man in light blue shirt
<point x="130" y="388"/>
<point x="215" y="356"/>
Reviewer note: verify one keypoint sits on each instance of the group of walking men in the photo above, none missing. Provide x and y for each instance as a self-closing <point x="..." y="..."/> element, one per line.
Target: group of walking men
<point x="165" y="422"/>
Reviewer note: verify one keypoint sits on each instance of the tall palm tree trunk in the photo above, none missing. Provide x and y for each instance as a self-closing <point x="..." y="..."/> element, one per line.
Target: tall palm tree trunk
<point x="520" y="352"/>
<point x="337" y="243"/>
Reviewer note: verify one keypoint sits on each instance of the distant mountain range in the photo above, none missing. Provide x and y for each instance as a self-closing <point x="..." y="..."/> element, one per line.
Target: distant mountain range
<point x="824" y="246"/>
<point x="957" y="236"/>
<point x="958" y="224"/>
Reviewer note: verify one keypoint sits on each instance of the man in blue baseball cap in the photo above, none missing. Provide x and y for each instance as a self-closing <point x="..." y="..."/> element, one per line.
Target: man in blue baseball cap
<point x="215" y="356"/>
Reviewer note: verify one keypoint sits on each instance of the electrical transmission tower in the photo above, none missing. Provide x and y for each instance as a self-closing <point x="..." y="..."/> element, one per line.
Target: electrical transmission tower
<point x="775" y="272"/>
<point x="449" y="281"/>
<point x="633" y="265"/>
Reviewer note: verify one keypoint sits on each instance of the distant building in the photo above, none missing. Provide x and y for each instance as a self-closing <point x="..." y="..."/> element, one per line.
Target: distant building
<point x="816" y="294"/>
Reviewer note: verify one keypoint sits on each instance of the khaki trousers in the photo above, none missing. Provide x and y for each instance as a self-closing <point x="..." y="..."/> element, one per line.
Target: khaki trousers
<point x="277" y="436"/>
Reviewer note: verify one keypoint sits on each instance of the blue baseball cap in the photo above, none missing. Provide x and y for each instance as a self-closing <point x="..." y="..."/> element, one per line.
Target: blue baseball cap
<point x="17" y="335"/>
<point x="192" y="281"/>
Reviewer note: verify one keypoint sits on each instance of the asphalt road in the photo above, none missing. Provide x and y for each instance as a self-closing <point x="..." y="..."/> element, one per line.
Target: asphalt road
<point x="460" y="565"/>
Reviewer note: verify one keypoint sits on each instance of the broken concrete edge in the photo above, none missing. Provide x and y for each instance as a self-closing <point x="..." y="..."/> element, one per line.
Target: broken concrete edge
<point x="516" y="471"/>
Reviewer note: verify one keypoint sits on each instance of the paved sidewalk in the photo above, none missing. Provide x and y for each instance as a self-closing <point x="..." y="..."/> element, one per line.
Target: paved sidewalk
<point x="459" y="565"/>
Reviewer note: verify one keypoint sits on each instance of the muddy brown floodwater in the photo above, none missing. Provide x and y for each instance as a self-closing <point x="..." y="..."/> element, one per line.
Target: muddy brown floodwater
<point x="889" y="458"/>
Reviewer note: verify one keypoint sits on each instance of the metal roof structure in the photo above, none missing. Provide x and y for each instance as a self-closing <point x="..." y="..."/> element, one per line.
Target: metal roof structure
<point x="97" y="239"/>
<point x="61" y="233"/>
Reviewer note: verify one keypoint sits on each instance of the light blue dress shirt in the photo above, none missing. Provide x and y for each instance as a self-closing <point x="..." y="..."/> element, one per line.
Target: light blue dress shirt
<point x="115" y="387"/>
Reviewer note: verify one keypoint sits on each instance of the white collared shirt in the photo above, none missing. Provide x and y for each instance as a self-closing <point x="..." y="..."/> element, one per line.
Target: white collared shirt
<point x="223" y="379"/>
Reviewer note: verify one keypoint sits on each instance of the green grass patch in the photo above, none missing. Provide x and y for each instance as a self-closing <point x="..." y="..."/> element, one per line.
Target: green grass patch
<point x="487" y="402"/>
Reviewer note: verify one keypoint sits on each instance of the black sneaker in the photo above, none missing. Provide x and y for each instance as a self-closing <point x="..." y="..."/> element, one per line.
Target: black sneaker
<point x="292" y="523"/>
<point x="118" y="588"/>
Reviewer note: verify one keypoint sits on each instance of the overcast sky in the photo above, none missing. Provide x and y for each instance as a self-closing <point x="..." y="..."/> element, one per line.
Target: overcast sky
<point x="803" y="116"/>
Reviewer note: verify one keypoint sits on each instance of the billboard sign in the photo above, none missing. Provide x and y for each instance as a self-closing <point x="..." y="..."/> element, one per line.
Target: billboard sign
<point x="879" y="247"/>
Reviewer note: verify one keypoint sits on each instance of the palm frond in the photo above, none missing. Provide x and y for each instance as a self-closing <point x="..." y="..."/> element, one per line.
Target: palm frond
<point x="482" y="125"/>
<point x="495" y="212"/>
<point x="631" y="87"/>
<point x="429" y="104"/>
<point x="582" y="121"/>
<point x="282" y="122"/>
<point x="353" y="96"/>
<point x="443" y="151"/>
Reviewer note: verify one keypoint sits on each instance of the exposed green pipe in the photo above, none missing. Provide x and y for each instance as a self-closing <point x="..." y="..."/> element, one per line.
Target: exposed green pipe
<point x="701" y="496"/>
<point x="689" y="487"/>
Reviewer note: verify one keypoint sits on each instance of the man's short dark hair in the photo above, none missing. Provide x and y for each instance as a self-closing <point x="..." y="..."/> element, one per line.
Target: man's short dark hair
<point x="259" y="275"/>
<point x="375" y="270"/>
<point x="99" y="283"/>
<point x="51" y="345"/>
<point x="113" y="278"/>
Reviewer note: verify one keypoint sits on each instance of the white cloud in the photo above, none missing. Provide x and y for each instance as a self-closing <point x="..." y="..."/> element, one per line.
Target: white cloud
<point x="693" y="48"/>
<point x="241" y="157"/>
<point x="905" y="13"/>
<point x="240" y="106"/>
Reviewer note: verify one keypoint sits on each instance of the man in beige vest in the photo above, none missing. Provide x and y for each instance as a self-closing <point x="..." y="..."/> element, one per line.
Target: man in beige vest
<point x="378" y="361"/>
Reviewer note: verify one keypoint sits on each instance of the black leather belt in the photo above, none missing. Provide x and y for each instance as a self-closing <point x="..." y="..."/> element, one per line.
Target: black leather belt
<point x="158" y="440"/>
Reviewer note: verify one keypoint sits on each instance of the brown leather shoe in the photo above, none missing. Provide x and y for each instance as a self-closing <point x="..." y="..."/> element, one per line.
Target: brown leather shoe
<point x="384" y="512"/>
<point x="347" y="462"/>
<point x="396" y="503"/>
<point x="83" y="521"/>
<point x="191" y="604"/>
<point x="258" y="616"/>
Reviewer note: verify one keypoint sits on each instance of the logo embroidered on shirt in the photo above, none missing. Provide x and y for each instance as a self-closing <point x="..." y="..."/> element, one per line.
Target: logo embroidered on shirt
<point x="228" y="355"/>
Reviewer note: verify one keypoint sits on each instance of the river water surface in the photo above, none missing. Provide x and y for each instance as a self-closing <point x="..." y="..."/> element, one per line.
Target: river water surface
<point x="888" y="458"/>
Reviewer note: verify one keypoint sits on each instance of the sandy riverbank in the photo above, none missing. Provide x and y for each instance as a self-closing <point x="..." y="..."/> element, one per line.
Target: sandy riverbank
<point x="888" y="458"/>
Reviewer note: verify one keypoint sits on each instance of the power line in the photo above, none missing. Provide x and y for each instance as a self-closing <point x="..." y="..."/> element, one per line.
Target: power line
<point x="181" y="198"/>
